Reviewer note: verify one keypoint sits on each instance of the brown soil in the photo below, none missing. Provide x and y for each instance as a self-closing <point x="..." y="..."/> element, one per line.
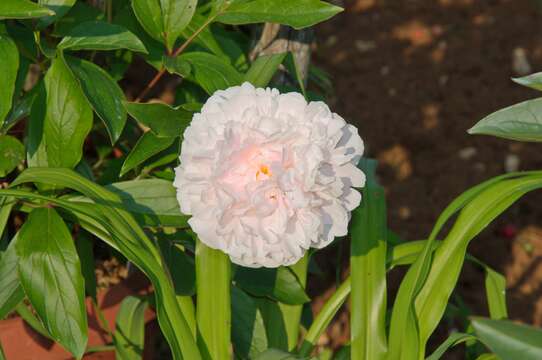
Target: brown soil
<point x="414" y="75"/>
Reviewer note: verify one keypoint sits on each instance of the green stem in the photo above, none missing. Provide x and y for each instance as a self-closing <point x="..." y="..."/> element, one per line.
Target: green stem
<point x="292" y="313"/>
<point x="213" y="311"/>
<point x="324" y="317"/>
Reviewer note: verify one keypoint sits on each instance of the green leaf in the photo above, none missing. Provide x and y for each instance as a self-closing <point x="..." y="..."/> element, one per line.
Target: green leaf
<point x="509" y="340"/>
<point x="11" y="154"/>
<point x="147" y="146"/>
<point x="85" y="251"/>
<point x="211" y="72"/>
<point x="162" y="119"/>
<point x="279" y="284"/>
<point x="149" y="15"/>
<point x="263" y="68"/>
<point x="368" y="268"/>
<point x="9" y="63"/>
<point x="297" y="14"/>
<point x="6" y="204"/>
<point x="129" y="333"/>
<point x="453" y="340"/>
<point x="11" y="292"/>
<point x="22" y="9"/>
<point x="176" y="65"/>
<point x="60" y="120"/>
<point x="176" y="15"/>
<point x="522" y="122"/>
<point x="103" y="93"/>
<point x="59" y="7"/>
<point x="151" y="201"/>
<point x="213" y="310"/>
<point x="181" y="267"/>
<point x="101" y="35"/>
<point x="496" y="294"/>
<point x="50" y="274"/>
<point x="79" y="13"/>
<point x="248" y="330"/>
<point x="276" y="354"/>
<point x="533" y="81"/>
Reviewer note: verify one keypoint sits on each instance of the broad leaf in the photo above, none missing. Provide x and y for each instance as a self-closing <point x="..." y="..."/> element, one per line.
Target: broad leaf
<point x="509" y="340"/>
<point x="263" y="68"/>
<point x="280" y="284"/>
<point x="297" y="14"/>
<point x="176" y="65"/>
<point x="101" y="35"/>
<point x="79" y="13"/>
<point x="11" y="154"/>
<point x="49" y="265"/>
<point x="9" y="63"/>
<point x="147" y="146"/>
<point x="129" y="333"/>
<point x="59" y="7"/>
<point x="103" y="93"/>
<point x="60" y="120"/>
<point x="522" y="122"/>
<point x="162" y="119"/>
<point x="248" y="330"/>
<point x="152" y="201"/>
<point x="22" y="9"/>
<point x="211" y="72"/>
<point x="149" y="15"/>
<point x="11" y="292"/>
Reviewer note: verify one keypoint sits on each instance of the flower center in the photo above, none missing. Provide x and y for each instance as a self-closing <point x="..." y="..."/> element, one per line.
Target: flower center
<point x="263" y="170"/>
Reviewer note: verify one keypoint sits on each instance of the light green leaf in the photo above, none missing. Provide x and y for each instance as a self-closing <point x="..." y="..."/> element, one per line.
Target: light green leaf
<point x="211" y="72"/>
<point x="276" y="354"/>
<point x="22" y="9"/>
<point x="522" y="122"/>
<point x="149" y="14"/>
<point x="103" y="93"/>
<point x="48" y="264"/>
<point x="147" y="146"/>
<point x="213" y="310"/>
<point x="248" y="331"/>
<point x="162" y="119"/>
<point x="59" y="7"/>
<point x="453" y="340"/>
<point x="101" y="35"/>
<point x="11" y="292"/>
<point x="6" y="204"/>
<point x="129" y="333"/>
<point x="151" y="201"/>
<point x="176" y="65"/>
<point x="280" y="284"/>
<point x="368" y="267"/>
<point x="9" y="63"/>
<point x="263" y="68"/>
<point x="11" y="154"/>
<point x="496" y="294"/>
<point x="534" y="81"/>
<point x="297" y="14"/>
<point x="60" y="120"/>
<point x="509" y="340"/>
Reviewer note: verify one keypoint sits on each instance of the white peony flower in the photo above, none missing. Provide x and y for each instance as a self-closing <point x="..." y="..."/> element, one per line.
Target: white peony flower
<point x="266" y="175"/>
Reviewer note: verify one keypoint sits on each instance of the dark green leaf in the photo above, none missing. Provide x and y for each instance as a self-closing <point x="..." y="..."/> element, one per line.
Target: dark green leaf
<point x="297" y="14"/>
<point x="22" y="9"/>
<point x="152" y="201"/>
<point x="103" y="93"/>
<point x="60" y="8"/>
<point x="129" y="333"/>
<point x="79" y="13"/>
<point x="211" y="72"/>
<point x="11" y="292"/>
<point x="509" y="340"/>
<point x="11" y="154"/>
<point x="147" y="146"/>
<point x="263" y="68"/>
<point x="9" y="63"/>
<point x="176" y="65"/>
<point x="522" y="122"/>
<point x="248" y="331"/>
<point x="162" y="119"/>
<point x="279" y="284"/>
<point x="149" y="14"/>
<point x="101" y="35"/>
<point x="181" y="267"/>
<point x="84" y="246"/>
<point x="50" y="274"/>
<point x="60" y="120"/>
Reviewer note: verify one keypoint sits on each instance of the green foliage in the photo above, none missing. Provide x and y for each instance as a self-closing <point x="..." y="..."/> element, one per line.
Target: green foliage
<point x="129" y="333"/>
<point x="22" y="9"/>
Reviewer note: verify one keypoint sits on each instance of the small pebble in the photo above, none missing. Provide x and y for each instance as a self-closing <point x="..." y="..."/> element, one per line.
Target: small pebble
<point x="511" y="163"/>
<point x="467" y="153"/>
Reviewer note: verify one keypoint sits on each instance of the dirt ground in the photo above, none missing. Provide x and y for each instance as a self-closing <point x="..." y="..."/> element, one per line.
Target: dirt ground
<point x="414" y="75"/>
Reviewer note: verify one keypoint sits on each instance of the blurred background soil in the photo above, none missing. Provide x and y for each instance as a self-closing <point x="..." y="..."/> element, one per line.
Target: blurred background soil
<point x="414" y="75"/>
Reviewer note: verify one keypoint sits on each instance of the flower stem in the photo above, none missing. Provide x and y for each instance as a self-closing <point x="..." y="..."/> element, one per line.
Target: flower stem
<point x="213" y="311"/>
